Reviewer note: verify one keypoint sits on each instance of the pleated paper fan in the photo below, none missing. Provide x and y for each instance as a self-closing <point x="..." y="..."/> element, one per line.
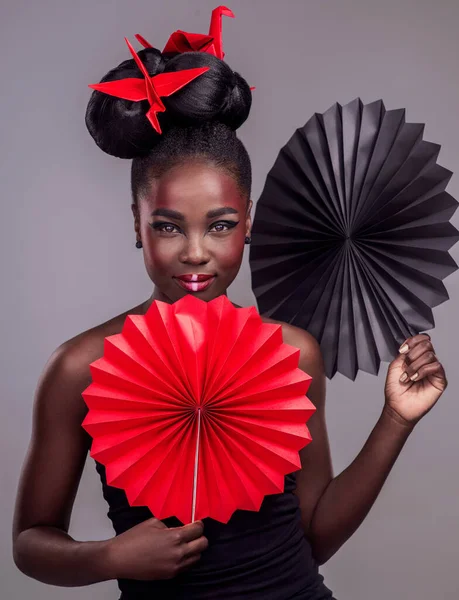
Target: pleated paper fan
<point x="197" y="409"/>
<point x="351" y="234"/>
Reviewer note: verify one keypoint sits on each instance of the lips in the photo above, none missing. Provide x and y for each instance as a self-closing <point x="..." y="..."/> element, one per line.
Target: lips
<point x="194" y="277"/>
<point x="195" y="282"/>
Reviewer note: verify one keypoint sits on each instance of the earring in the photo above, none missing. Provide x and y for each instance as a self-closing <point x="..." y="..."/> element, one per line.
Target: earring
<point x="248" y="240"/>
<point x="138" y="244"/>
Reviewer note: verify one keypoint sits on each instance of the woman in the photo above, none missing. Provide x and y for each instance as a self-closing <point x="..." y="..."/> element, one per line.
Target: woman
<point x="191" y="207"/>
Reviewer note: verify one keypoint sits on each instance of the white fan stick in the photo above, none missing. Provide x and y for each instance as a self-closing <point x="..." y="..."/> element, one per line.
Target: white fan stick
<point x="196" y="464"/>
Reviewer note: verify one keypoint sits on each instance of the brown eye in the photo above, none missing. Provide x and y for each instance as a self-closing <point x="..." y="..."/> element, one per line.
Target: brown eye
<point x="164" y="227"/>
<point x="223" y="226"/>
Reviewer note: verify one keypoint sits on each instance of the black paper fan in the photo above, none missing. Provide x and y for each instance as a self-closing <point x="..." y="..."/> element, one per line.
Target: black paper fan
<point x="351" y="234"/>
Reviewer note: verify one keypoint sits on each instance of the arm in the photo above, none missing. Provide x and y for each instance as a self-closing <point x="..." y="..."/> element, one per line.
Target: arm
<point x="50" y="477"/>
<point x="42" y="547"/>
<point x="333" y="508"/>
<point x="348" y="498"/>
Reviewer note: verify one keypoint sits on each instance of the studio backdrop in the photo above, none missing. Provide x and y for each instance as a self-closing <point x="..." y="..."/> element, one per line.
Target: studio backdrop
<point x="68" y="250"/>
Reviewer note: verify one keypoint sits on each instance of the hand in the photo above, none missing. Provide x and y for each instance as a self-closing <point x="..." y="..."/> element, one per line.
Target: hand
<point x="415" y="380"/>
<point x="151" y="550"/>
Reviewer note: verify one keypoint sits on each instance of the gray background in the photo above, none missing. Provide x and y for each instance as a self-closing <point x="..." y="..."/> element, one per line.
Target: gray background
<point x="67" y="242"/>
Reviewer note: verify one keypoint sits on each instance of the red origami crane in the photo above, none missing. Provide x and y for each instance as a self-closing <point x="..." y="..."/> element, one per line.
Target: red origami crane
<point x="149" y="88"/>
<point x="197" y="409"/>
<point x="183" y="41"/>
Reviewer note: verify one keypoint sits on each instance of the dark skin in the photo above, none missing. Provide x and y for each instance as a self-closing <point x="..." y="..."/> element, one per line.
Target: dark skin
<point x="194" y="240"/>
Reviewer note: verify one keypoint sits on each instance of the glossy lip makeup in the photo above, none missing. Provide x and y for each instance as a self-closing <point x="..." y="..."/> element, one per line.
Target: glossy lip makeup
<point x="195" y="282"/>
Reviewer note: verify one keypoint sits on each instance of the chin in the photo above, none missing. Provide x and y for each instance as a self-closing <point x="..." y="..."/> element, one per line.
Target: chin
<point x="176" y="294"/>
<point x="206" y="295"/>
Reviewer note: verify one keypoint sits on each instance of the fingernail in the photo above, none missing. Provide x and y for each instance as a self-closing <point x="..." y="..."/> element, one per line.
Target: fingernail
<point x="414" y="377"/>
<point x="404" y="377"/>
<point x="403" y="349"/>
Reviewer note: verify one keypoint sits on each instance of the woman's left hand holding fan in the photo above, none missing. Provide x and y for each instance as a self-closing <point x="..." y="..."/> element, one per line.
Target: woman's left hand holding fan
<point x="415" y="381"/>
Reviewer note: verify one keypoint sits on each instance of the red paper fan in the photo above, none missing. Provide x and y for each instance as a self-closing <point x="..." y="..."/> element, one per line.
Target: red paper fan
<point x="197" y="409"/>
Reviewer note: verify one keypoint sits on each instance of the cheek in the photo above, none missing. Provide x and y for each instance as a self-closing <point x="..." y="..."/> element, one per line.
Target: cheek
<point x="228" y="255"/>
<point x="160" y="256"/>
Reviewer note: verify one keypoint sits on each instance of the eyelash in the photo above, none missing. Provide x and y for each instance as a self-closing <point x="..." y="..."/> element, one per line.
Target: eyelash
<point x="158" y="225"/>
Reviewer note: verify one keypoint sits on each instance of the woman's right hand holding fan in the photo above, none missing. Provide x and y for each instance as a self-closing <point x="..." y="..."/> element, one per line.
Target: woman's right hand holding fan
<point x="151" y="550"/>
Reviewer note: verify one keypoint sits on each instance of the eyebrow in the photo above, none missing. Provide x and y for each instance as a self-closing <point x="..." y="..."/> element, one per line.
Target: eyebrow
<point x="174" y="214"/>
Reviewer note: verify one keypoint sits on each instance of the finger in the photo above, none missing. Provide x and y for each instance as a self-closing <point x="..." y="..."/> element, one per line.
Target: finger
<point x="430" y="370"/>
<point x="196" y="546"/>
<point x="412" y="341"/>
<point x="156" y="523"/>
<point x="189" y="562"/>
<point x="422" y="348"/>
<point x="191" y="532"/>
<point x="413" y="369"/>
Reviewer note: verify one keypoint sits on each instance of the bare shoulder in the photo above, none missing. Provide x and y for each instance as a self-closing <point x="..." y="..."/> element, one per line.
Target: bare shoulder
<point x="311" y="361"/>
<point x="68" y="366"/>
<point x="310" y="353"/>
<point x="88" y="345"/>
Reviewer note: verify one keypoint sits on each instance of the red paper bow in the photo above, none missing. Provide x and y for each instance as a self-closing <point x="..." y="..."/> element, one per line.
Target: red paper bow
<point x="183" y="41"/>
<point x="149" y="88"/>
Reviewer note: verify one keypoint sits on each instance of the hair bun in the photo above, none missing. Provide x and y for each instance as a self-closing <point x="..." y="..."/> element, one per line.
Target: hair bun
<point x="238" y="104"/>
<point x="217" y="95"/>
<point x="121" y="128"/>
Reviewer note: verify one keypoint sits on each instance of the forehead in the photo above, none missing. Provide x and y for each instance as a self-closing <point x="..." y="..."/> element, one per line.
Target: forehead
<point x="195" y="187"/>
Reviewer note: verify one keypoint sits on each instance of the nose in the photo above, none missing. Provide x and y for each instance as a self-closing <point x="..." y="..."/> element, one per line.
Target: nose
<point x="194" y="251"/>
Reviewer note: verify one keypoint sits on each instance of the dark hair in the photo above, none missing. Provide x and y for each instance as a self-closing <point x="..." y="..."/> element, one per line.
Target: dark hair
<point x="199" y="122"/>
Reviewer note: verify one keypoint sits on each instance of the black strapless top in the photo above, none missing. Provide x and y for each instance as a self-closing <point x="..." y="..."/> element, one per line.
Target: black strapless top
<point x="257" y="555"/>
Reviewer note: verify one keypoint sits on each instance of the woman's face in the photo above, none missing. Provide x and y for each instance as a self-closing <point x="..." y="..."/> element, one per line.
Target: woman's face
<point x="192" y="224"/>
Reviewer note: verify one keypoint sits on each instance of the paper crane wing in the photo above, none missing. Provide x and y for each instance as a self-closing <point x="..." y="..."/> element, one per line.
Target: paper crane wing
<point x="143" y="41"/>
<point x="168" y="83"/>
<point x="129" y="89"/>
